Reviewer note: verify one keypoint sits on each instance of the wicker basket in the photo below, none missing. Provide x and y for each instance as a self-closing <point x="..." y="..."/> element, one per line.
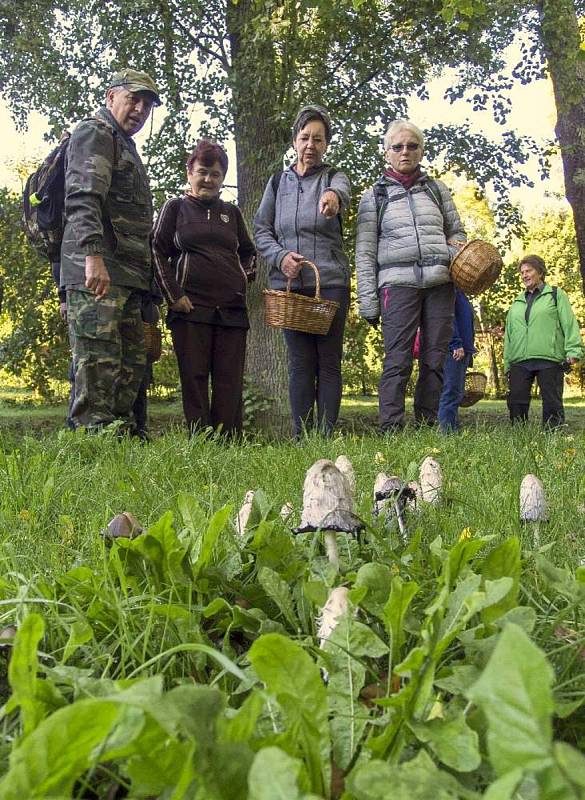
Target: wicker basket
<point x="475" y="383"/>
<point x="476" y="267"/>
<point x="152" y="340"/>
<point x="297" y="312"/>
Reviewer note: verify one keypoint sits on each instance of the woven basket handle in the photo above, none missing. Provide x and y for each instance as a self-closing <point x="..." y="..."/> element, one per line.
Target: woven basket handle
<point x="317" y="279"/>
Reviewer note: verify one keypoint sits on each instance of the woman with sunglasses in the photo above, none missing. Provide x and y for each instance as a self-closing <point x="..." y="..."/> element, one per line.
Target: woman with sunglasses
<point x="408" y="232"/>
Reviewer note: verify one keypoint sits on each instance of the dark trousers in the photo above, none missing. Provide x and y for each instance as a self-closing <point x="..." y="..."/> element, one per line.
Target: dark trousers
<point x="404" y="309"/>
<point x="453" y="391"/>
<point x="551" y="385"/>
<point x="314" y="369"/>
<point x="216" y="352"/>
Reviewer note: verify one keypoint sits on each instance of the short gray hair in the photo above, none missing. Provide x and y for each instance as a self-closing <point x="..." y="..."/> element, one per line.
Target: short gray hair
<point x="400" y="125"/>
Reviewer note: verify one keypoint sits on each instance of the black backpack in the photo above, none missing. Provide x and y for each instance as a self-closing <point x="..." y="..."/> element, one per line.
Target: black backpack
<point x="430" y="187"/>
<point x="43" y="215"/>
<point x="44" y="204"/>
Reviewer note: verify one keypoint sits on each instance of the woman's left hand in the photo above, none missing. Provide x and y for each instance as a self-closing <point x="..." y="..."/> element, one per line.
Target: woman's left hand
<point x="329" y="204"/>
<point x="571" y="360"/>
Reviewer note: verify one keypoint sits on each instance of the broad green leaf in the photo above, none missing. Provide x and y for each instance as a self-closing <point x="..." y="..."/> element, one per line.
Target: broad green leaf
<point x="216" y="606"/>
<point x="458" y="679"/>
<point x="22" y="673"/>
<point x="316" y="592"/>
<point x="295" y="680"/>
<point x="81" y="632"/>
<point x="278" y="590"/>
<point x="452" y="740"/>
<point x="376" y="578"/>
<point x="523" y="616"/>
<point x="48" y="762"/>
<point x="418" y="779"/>
<point x="242" y="725"/>
<point x="192" y="514"/>
<point x="460" y="555"/>
<point x="401" y="595"/>
<point x="159" y="763"/>
<point x="503" y="561"/>
<point x="350" y="642"/>
<point x="505" y="787"/>
<point x="514" y="692"/>
<point x="274" y="776"/>
<point x="571" y="763"/>
<point x="215" y="528"/>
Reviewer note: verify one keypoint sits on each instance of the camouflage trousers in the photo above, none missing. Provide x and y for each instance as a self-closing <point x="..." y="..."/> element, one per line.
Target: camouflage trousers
<point x="107" y="340"/>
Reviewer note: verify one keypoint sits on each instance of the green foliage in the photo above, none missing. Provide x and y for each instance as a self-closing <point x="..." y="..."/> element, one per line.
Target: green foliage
<point x="33" y="340"/>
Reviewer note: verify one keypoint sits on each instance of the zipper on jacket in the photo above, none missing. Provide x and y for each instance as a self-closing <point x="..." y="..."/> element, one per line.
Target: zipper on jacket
<point x="410" y="205"/>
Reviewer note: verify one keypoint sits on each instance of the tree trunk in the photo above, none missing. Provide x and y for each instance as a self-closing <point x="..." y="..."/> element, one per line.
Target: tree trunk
<point x="260" y="143"/>
<point x="559" y="33"/>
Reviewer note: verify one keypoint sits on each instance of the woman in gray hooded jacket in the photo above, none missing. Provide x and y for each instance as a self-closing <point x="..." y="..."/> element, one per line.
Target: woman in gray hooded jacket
<point x="299" y="218"/>
<point x="408" y="231"/>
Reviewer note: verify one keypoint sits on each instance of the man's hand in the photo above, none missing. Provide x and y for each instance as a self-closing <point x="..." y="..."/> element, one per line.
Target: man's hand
<point x="63" y="311"/>
<point x="329" y="204"/>
<point x="183" y="305"/>
<point x="291" y="264"/>
<point x="97" y="277"/>
<point x="458" y="353"/>
<point x="571" y="360"/>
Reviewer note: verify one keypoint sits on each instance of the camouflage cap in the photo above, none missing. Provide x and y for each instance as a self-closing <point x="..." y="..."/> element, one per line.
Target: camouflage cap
<point x="135" y="81"/>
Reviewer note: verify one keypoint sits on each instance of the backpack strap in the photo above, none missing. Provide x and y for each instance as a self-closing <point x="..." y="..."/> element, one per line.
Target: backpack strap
<point x="275" y="182"/>
<point x="381" y="200"/>
<point x="555" y="295"/>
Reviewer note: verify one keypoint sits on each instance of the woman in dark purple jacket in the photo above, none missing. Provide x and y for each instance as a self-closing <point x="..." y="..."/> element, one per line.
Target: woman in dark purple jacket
<point x="203" y="260"/>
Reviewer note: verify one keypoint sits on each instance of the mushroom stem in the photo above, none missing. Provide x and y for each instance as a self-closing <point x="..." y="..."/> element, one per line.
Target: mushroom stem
<point x="331" y="548"/>
<point x="399" y="509"/>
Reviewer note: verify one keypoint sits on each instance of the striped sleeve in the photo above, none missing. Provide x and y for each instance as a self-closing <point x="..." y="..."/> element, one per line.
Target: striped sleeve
<point x="165" y="251"/>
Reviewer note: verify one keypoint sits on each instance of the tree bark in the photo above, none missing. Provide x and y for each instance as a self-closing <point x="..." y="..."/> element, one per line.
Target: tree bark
<point x="260" y="143"/>
<point x="559" y="34"/>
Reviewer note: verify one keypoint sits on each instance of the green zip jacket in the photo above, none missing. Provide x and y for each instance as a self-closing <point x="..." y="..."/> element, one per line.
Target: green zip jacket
<point x="108" y="205"/>
<point x="552" y="331"/>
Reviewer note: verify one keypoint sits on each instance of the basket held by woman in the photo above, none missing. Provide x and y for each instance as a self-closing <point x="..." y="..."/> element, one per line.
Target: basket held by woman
<point x="476" y="267"/>
<point x="296" y="311"/>
<point x="475" y="386"/>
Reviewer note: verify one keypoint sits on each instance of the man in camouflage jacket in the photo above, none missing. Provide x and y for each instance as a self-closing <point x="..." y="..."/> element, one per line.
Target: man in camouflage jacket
<point x="105" y="256"/>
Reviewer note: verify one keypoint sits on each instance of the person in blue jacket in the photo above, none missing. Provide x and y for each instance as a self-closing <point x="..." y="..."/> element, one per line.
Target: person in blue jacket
<point x="459" y="358"/>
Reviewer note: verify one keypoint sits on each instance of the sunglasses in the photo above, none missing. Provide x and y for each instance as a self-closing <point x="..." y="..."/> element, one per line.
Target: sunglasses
<point x="397" y="148"/>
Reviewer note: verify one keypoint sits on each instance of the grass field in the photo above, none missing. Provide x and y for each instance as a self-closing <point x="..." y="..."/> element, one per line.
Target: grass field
<point x="132" y="643"/>
<point x="19" y="412"/>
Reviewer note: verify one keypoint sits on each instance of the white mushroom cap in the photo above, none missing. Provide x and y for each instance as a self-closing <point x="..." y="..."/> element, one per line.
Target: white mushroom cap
<point x="325" y="489"/>
<point x="431" y="480"/>
<point x="345" y="466"/>
<point x="532" y="500"/>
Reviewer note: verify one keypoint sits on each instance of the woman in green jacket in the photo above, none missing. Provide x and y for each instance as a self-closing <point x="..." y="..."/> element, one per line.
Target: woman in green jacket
<point x="542" y="339"/>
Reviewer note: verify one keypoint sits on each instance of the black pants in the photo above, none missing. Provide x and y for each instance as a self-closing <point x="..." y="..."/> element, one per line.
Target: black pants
<point x="551" y="385"/>
<point x="215" y="351"/>
<point x="314" y="369"/>
<point x="404" y="309"/>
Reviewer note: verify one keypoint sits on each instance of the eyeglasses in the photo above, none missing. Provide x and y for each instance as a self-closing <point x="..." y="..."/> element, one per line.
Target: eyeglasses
<point x="412" y="146"/>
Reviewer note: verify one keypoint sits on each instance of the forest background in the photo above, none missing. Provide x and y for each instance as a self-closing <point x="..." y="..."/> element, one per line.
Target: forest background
<point x="241" y="70"/>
